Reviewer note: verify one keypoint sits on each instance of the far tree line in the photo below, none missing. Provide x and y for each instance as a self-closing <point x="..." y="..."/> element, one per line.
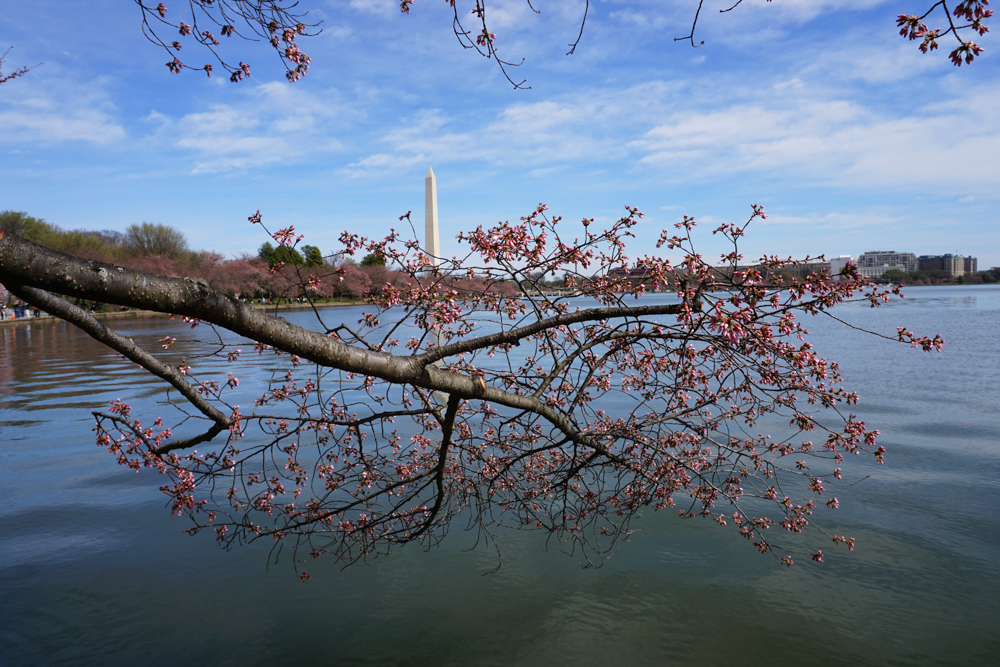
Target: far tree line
<point x="899" y="277"/>
<point x="276" y="273"/>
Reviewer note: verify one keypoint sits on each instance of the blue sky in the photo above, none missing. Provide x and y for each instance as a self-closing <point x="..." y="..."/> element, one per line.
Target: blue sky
<point x="816" y="109"/>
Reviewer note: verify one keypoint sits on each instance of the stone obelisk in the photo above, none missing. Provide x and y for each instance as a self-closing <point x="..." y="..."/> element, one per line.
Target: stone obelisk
<point x="432" y="246"/>
<point x="432" y="242"/>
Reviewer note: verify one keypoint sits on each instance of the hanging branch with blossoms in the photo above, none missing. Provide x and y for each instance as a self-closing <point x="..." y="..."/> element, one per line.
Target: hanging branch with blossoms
<point x="969" y="14"/>
<point x="972" y="11"/>
<point x="4" y="78"/>
<point x="277" y="22"/>
<point x="569" y="412"/>
<point x="280" y="23"/>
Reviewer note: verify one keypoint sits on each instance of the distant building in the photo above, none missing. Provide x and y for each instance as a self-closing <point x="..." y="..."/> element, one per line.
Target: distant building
<point x="773" y="275"/>
<point x="635" y="275"/>
<point x="953" y="265"/>
<point x="931" y="263"/>
<point x="837" y="265"/>
<point x="871" y="264"/>
<point x="801" y="271"/>
<point x="874" y="263"/>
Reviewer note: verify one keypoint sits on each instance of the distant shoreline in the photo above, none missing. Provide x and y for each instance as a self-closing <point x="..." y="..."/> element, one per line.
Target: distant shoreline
<point x="9" y="322"/>
<point x="135" y="314"/>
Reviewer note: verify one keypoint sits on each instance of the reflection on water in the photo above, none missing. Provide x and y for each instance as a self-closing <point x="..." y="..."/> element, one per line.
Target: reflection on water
<point x="93" y="570"/>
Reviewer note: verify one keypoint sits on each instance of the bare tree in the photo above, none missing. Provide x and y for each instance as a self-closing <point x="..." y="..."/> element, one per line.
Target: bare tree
<point x="154" y="239"/>
<point x="520" y="410"/>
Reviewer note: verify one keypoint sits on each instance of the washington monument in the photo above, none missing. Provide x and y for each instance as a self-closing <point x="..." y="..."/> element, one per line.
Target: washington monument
<point x="432" y="242"/>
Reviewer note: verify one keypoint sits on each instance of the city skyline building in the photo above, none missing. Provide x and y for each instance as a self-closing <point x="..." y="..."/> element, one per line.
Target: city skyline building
<point x="873" y="263"/>
<point x="953" y="265"/>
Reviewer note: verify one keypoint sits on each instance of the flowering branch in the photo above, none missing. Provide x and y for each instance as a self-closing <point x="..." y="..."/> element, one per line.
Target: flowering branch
<point x="912" y="27"/>
<point x="471" y="387"/>
<point x="974" y="11"/>
<point x="4" y="78"/>
<point x="275" y="21"/>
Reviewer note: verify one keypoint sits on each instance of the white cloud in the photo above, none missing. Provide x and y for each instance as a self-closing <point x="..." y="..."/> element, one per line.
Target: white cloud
<point x="800" y="11"/>
<point x="833" y="142"/>
<point x="583" y="128"/>
<point x="890" y="60"/>
<point x="750" y="17"/>
<point x="274" y="124"/>
<point x="646" y="20"/>
<point x="837" y="38"/>
<point x="835" y="221"/>
<point x="48" y="111"/>
<point x="794" y="131"/>
<point x="508" y="13"/>
<point x="382" y="163"/>
<point x="375" y="6"/>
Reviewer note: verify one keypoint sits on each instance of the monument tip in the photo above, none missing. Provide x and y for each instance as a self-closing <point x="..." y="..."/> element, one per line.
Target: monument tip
<point x="430" y="172"/>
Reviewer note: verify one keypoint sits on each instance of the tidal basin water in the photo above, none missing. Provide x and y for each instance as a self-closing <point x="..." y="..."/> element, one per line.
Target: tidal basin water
<point x="94" y="571"/>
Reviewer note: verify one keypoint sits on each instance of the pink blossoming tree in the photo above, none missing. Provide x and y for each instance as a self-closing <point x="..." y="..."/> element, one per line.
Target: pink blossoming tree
<point x="517" y="407"/>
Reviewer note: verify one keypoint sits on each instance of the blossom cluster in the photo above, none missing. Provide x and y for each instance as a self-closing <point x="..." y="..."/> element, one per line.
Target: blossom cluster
<point x="912" y="27"/>
<point x="272" y="21"/>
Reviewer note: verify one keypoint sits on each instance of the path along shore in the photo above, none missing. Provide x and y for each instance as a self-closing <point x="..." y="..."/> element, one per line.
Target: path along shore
<point x="10" y="321"/>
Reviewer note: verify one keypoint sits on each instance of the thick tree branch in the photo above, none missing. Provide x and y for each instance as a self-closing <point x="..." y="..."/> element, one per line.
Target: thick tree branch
<point x="25" y="263"/>
<point x="31" y="265"/>
<point x="125" y="346"/>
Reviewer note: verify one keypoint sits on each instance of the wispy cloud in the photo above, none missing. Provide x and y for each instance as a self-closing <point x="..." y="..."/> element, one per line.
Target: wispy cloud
<point x="813" y="135"/>
<point x="836" y="221"/>
<point x="750" y="17"/>
<point x="274" y="124"/>
<point x="801" y="11"/>
<point x="52" y="110"/>
<point x="374" y="6"/>
<point x="816" y="135"/>
<point x="588" y="127"/>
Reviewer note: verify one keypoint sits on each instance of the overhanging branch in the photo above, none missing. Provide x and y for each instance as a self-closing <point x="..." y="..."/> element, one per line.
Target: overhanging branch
<point x="125" y="346"/>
